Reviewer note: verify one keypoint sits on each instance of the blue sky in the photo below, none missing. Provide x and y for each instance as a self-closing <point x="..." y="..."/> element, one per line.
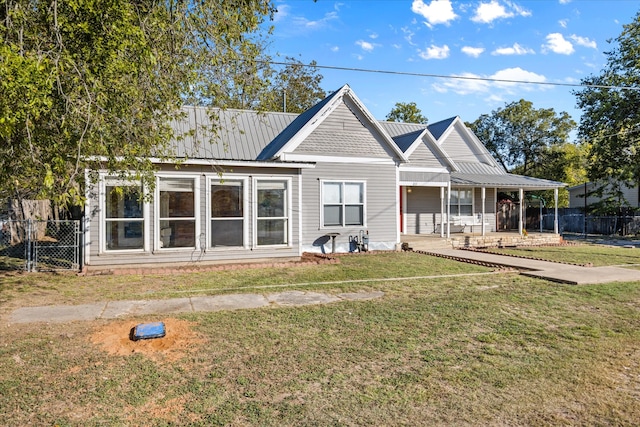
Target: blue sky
<point x="556" y="41"/>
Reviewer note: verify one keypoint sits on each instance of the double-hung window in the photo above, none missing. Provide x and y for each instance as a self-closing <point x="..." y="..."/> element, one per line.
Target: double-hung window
<point x="343" y="204"/>
<point x="124" y="216"/>
<point x="177" y="213"/>
<point x="461" y="201"/>
<point x="272" y="207"/>
<point x="227" y="213"/>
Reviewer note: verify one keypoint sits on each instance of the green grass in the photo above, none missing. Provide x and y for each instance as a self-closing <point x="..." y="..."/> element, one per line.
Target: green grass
<point x="497" y="349"/>
<point x="598" y="255"/>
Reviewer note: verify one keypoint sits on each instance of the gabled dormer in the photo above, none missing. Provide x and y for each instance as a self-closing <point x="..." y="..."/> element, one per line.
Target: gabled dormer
<point x="339" y="126"/>
<point x="461" y="145"/>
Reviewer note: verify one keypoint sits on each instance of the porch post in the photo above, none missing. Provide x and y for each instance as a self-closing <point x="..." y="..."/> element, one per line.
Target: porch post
<point x="555" y="215"/>
<point x="441" y="212"/>
<point x="520" y="219"/>
<point x="484" y="196"/>
<point x="449" y="210"/>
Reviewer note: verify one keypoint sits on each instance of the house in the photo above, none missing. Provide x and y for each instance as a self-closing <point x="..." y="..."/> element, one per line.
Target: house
<point x="275" y="185"/>
<point x="581" y="195"/>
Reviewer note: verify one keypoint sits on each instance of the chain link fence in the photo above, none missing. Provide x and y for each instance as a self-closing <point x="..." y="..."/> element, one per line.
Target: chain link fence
<point x="40" y="245"/>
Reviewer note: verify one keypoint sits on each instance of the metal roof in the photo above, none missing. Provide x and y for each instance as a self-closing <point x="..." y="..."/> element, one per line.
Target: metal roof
<point x="438" y="128"/>
<point x="503" y="181"/>
<point x="237" y="135"/>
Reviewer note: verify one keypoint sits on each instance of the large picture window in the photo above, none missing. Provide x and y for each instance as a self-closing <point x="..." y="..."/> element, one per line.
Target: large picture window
<point x="272" y="213"/>
<point x="177" y="213"/>
<point x="124" y="217"/>
<point x="227" y="214"/>
<point x="343" y="204"/>
<point x="462" y="201"/>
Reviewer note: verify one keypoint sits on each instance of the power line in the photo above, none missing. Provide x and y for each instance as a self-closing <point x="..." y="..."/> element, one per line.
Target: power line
<point x="444" y="76"/>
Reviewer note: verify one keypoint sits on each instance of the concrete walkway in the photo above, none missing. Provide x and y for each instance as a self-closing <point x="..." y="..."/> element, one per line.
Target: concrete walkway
<point x="557" y="272"/>
<point x="118" y="309"/>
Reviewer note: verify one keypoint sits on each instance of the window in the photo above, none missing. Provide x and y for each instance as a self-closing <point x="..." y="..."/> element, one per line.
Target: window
<point x="177" y="213"/>
<point x="462" y="202"/>
<point x="343" y="204"/>
<point x="227" y="214"/>
<point x="272" y="213"/>
<point x="124" y="217"/>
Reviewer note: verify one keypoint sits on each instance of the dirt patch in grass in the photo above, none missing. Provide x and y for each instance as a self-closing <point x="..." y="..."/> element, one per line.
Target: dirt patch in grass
<point x="180" y="338"/>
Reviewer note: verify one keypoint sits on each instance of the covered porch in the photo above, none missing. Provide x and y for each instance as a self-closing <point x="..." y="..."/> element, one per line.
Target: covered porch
<point x="465" y="206"/>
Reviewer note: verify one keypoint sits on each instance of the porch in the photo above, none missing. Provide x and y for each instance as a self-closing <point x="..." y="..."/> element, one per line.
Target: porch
<point x="426" y="242"/>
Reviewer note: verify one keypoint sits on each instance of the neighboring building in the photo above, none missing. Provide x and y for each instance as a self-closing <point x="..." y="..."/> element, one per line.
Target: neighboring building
<point x="579" y="195"/>
<point x="274" y="185"/>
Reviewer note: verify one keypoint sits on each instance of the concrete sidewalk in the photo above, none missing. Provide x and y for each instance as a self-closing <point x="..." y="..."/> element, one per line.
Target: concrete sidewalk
<point x="557" y="272"/>
<point x="118" y="309"/>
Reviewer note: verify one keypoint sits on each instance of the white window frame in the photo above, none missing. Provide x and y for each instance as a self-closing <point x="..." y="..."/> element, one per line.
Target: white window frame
<point x="344" y="204"/>
<point x="196" y="210"/>
<point x="104" y="181"/>
<point x="457" y="206"/>
<point x="288" y="209"/>
<point x="211" y="180"/>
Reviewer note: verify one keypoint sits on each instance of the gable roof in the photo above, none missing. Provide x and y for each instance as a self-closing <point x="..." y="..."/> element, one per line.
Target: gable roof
<point x="439" y="128"/>
<point x="308" y="121"/>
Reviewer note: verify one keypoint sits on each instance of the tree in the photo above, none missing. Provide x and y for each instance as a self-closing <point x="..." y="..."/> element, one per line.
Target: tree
<point x="95" y="83"/>
<point x="610" y="120"/>
<point x="295" y="89"/>
<point x="406" y="113"/>
<point x="521" y="137"/>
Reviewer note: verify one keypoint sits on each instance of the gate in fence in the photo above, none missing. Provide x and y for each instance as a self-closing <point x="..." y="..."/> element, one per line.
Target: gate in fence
<point x="40" y="245"/>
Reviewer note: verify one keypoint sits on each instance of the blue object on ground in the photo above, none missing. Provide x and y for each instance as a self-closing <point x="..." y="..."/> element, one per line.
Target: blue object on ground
<point x="145" y="331"/>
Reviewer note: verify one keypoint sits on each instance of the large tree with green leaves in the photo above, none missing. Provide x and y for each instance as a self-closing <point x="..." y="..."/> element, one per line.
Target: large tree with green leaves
<point x="295" y="88"/>
<point x="94" y="83"/>
<point x="406" y="112"/>
<point x="522" y="137"/>
<point x="610" y="120"/>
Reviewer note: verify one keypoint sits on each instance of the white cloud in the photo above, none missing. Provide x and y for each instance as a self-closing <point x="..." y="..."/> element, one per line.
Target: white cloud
<point x="469" y="83"/>
<point x="486" y="13"/>
<point x="563" y="23"/>
<point x="515" y="75"/>
<point x="436" y="12"/>
<point x="516" y="49"/>
<point x="583" y="41"/>
<point x="304" y="23"/>
<point x="335" y="49"/>
<point x="565" y="1"/>
<point x="373" y="36"/>
<point x="556" y="43"/>
<point x="408" y="35"/>
<point x="366" y="46"/>
<point x="474" y="52"/>
<point x="435" y="52"/>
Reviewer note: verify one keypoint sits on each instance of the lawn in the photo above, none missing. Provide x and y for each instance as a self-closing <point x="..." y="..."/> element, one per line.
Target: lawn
<point x="497" y="349"/>
<point x="598" y="255"/>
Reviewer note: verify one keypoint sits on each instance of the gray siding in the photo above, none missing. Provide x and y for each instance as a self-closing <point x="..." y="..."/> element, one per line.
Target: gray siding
<point x="424" y="177"/>
<point x="203" y="254"/>
<point x="381" y="211"/>
<point x="423" y="156"/>
<point x="343" y="134"/>
<point x="422" y="212"/>
<point x="457" y="148"/>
